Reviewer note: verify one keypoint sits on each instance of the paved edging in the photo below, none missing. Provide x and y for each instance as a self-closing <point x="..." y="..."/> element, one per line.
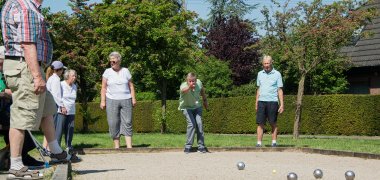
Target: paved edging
<point x="62" y="172"/>
<point x="242" y="149"/>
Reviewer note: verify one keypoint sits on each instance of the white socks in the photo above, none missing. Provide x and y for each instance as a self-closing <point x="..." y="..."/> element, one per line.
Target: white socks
<point x="273" y="142"/>
<point x="16" y="163"/>
<point x="54" y="147"/>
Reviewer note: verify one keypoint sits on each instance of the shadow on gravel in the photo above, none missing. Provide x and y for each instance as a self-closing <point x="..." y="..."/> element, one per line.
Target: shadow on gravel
<point x="97" y="171"/>
<point x="138" y="145"/>
<point x="282" y="145"/>
<point x="82" y="145"/>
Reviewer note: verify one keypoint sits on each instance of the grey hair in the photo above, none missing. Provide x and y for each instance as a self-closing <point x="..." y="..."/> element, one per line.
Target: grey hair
<point x="68" y="72"/>
<point x="267" y="57"/>
<point x="191" y="75"/>
<point x="116" y="55"/>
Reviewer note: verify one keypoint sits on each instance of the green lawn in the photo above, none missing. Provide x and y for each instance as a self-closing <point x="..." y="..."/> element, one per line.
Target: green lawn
<point x="344" y="143"/>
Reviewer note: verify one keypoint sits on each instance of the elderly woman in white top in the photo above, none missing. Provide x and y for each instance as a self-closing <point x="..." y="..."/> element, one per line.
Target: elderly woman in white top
<point x="118" y="97"/>
<point x="64" y="122"/>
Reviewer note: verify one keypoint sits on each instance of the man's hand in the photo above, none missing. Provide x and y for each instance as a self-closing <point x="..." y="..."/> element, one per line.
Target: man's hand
<point x="281" y="109"/>
<point x="191" y="85"/>
<point x="205" y="104"/>
<point x="39" y="85"/>
<point x="256" y="106"/>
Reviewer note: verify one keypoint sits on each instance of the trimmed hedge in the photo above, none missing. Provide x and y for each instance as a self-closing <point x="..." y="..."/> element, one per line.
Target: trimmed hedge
<point x="324" y="114"/>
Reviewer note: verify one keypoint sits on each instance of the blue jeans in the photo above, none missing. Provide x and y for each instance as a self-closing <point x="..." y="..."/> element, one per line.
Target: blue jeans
<point x="194" y="123"/>
<point x="64" y="124"/>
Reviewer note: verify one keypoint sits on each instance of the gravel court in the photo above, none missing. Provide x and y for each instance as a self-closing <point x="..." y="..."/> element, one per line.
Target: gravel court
<point x="221" y="165"/>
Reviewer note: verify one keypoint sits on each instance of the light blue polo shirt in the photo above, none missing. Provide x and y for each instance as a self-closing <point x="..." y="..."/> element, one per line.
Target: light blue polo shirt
<point x="269" y="84"/>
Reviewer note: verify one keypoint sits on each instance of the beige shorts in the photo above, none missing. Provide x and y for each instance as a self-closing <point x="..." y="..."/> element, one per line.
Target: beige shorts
<point x="27" y="108"/>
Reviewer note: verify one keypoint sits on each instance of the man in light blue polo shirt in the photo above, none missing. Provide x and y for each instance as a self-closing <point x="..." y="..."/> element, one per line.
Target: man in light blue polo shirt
<point x="269" y="92"/>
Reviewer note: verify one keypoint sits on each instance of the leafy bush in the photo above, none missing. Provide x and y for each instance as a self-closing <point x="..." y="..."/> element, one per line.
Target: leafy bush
<point x="244" y="90"/>
<point x="146" y="96"/>
<point x="327" y="114"/>
<point x="215" y="75"/>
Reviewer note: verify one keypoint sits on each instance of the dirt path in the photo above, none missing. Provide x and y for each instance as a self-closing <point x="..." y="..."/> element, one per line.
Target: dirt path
<point x="221" y="165"/>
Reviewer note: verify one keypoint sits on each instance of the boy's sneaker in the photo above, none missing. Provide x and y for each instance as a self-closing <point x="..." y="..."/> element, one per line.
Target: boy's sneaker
<point x="258" y="145"/>
<point x="59" y="158"/>
<point x="274" y="144"/>
<point x="187" y="150"/>
<point x="202" y="150"/>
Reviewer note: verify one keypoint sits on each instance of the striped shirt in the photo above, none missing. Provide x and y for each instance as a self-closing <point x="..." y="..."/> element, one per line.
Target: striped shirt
<point x="22" y="21"/>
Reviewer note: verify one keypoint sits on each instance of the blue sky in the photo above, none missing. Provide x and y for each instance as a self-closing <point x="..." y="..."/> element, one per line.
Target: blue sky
<point x="201" y="7"/>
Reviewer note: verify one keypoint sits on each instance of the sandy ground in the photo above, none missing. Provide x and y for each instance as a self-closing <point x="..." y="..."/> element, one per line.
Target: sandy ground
<point x="222" y="165"/>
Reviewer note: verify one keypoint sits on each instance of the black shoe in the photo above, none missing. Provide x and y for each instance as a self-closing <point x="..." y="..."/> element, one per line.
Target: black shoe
<point x="30" y="161"/>
<point x="187" y="150"/>
<point x="63" y="157"/>
<point x="258" y="145"/>
<point x="202" y="150"/>
<point x="75" y="158"/>
<point x="274" y="144"/>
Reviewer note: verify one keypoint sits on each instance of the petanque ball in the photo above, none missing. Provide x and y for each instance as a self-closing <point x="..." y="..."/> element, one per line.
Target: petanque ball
<point x="318" y="174"/>
<point x="292" y="176"/>
<point x="240" y="165"/>
<point x="350" y="175"/>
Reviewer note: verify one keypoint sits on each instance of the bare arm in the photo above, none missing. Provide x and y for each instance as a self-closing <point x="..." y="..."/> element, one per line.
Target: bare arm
<point x="281" y="97"/>
<point x="103" y="93"/>
<point x="204" y="98"/>
<point x="257" y="98"/>
<point x="30" y="54"/>
<point x="132" y="88"/>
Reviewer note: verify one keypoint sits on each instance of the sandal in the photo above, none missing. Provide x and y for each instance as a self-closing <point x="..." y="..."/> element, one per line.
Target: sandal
<point x="24" y="173"/>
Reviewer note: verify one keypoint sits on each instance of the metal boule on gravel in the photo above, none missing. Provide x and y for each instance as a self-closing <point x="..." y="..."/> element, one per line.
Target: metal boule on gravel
<point x="318" y="174"/>
<point x="240" y="165"/>
<point x="350" y="175"/>
<point x="292" y="176"/>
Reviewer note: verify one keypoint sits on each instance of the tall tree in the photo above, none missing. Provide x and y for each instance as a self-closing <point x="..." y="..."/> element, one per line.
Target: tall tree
<point x="233" y="41"/>
<point x="230" y="38"/>
<point x="311" y="35"/>
<point x="226" y="9"/>
<point x="215" y="74"/>
<point x="73" y="37"/>
<point x="155" y="38"/>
